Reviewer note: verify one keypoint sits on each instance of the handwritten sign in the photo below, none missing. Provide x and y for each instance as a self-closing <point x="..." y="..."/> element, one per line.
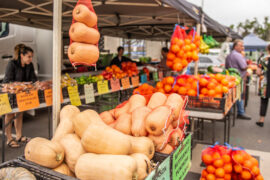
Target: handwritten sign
<point x="48" y="96"/>
<point x="135" y="81"/>
<point x="162" y="172"/>
<point x="89" y="93"/>
<point x="160" y="75"/>
<point x="155" y="76"/>
<point x="27" y="100"/>
<point x="102" y="87"/>
<point x="115" y="84"/>
<point x="143" y="78"/>
<point x="4" y="104"/>
<point x="74" y="96"/>
<point x="125" y="83"/>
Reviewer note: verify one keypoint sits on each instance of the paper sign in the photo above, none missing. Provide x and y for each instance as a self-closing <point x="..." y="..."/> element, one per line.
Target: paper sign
<point x="4" y="105"/>
<point x="160" y="75"/>
<point x="135" y="81"/>
<point x="74" y="96"/>
<point x="143" y="78"/>
<point x="125" y="83"/>
<point x="89" y="93"/>
<point x="102" y="87"/>
<point x="115" y="84"/>
<point x="155" y="76"/>
<point x="27" y="100"/>
<point x="48" y="96"/>
<point x="162" y="172"/>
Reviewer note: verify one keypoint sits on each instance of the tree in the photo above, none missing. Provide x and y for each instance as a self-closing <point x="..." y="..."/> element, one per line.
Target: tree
<point x="254" y="26"/>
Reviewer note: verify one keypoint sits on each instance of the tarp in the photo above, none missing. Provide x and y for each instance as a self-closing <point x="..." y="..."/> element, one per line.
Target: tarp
<point x="253" y="43"/>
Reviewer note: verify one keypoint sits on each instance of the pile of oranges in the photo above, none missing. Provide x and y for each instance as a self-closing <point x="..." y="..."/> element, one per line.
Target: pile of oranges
<point x="128" y="69"/>
<point x="213" y="85"/>
<point x="182" y="52"/>
<point x="225" y="164"/>
<point x="144" y="89"/>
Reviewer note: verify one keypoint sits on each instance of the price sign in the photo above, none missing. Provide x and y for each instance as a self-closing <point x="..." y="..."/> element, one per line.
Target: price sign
<point x="135" y="81"/>
<point x="89" y="93"/>
<point x="27" y="100"/>
<point x="48" y="96"/>
<point x="74" y="96"/>
<point x="125" y="83"/>
<point x="160" y="75"/>
<point x="155" y="76"/>
<point x="102" y="87"/>
<point x="143" y="78"/>
<point x="4" y="104"/>
<point x="115" y="84"/>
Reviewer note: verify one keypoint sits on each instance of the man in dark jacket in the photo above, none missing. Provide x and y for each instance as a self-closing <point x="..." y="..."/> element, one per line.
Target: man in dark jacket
<point x="120" y="58"/>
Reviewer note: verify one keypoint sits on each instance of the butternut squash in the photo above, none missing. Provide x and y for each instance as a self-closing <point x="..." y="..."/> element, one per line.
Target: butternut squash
<point x="142" y="145"/>
<point x="176" y="137"/>
<point x="107" y="117"/>
<point x="73" y="149"/>
<point x="158" y="120"/>
<point x="63" y="169"/>
<point x="121" y="110"/>
<point x="167" y="150"/>
<point x="83" y="53"/>
<point x="112" y="113"/>
<point x="44" y="152"/>
<point x="156" y="100"/>
<point x="143" y="165"/>
<point x="138" y="121"/>
<point x="102" y="139"/>
<point x="112" y="125"/>
<point x="18" y="173"/>
<point x="82" y="13"/>
<point x="103" y="167"/>
<point x="176" y="102"/>
<point x="161" y="141"/>
<point x="83" y="119"/>
<point x="123" y="124"/>
<point x="68" y="111"/>
<point x="79" y="32"/>
<point x="136" y="101"/>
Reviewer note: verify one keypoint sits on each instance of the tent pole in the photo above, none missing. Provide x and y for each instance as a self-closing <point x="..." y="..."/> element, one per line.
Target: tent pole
<point x="57" y="44"/>
<point x="196" y="62"/>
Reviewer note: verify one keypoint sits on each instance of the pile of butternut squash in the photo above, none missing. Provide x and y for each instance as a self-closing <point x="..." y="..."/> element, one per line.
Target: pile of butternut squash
<point x="85" y="147"/>
<point x="84" y="36"/>
<point x="161" y="119"/>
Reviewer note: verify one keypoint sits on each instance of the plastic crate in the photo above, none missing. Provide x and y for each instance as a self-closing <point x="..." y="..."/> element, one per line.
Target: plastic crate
<point x="39" y="172"/>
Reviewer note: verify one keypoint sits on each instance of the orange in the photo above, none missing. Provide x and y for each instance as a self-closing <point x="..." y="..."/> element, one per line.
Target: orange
<point x="175" y="48"/>
<point x="175" y="40"/>
<point x="204" y="91"/>
<point x="204" y="173"/>
<point x="219" y="77"/>
<point x="210" y="177"/>
<point x="175" y="88"/>
<point x="211" y="93"/>
<point x="170" y="80"/>
<point x="248" y="164"/>
<point x="203" y="82"/>
<point x="184" y="63"/>
<point x="207" y="159"/>
<point x="201" y="95"/>
<point x="182" y="91"/>
<point x="259" y="177"/>
<point x="226" y="158"/>
<point x="237" y="168"/>
<point x="177" y="66"/>
<point x="194" y="85"/>
<point x="191" y="92"/>
<point x="211" y="169"/>
<point x="218" y="89"/>
<point x="161" y="90"/>
<point x="211" y="85"/>
<point x="218" y="163"/>
<point x="186" y="48"/>
<point x="220" y="172"/>
<point x="176" y="60"/>
<point x="245" y="175"/>
<point x="180" y="43"/>
<point x="228" y="168"/>
<point x="189" y="54"/>
<point x="193" y="46"/>
<point x="225" y="89"/>
<point x="169" y="63"/>
<point x="195" y="56"/>
<point x="180" y="53"/>
<point x="170" y="56"/>
<point x="254" y="161"/>
<point x="216" y="155"/>
<point x="218" y="95"/>
<point x="181" y="81"/>
<point x="202" y="179"/>
<point x="187" y="41"/>
<point x="167" y="88"/>
<point x="227" y="177"/>
<point x="224" y="82"/>
<point x="255" y="170"/>
<point x="238" y="158"/>
<point x="159" y="85"/>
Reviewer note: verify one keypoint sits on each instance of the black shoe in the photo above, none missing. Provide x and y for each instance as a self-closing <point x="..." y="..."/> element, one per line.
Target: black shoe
<point x="243" y="117"/>
<point x="260" y="124"/>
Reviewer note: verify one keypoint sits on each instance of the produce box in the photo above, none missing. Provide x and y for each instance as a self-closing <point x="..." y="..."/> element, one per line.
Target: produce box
<point x="39" y="172"/>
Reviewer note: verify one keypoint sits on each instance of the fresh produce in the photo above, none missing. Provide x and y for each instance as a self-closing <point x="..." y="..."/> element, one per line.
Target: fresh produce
<point x="73" y="149"/>
<point x="44" y="152"/>
<point x="107" y="117"/>
<point x="183" y="49"/>
<point x="16" y="173"/>
<point x="127" y="69"/>
<point x="156" y="100"/>
<point x="121" y="110"/>
<point x="167" y="150"/>
<point x="104" y="166"/>
<point x="82" y="13"/>
<point x="142" y="145"/>
<point x="144" y="89"/>
<point x="63" y="169"/>
<point x="204" y="48"/>
<point x="176" y="103"/>
<point x="123" y="123"/>
<point x="145" y="60"/>
<point x="143" y="165"/>
<point x="88" y="79"/>
<point x="210" y="41"/>
<point x="138" y="121"/>
<point x="67" y="81"/>
<point x="136" y="101"/>
<point x="130" y="68"/>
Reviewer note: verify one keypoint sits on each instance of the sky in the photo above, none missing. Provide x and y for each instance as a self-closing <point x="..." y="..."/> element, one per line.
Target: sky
<point x="229" y="12"/>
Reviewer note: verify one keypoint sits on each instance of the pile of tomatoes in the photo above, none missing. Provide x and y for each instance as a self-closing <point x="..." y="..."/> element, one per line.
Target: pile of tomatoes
<point x="128" y="69"/>
<point x="212" y="85"/>
<point x="182" y="52"/>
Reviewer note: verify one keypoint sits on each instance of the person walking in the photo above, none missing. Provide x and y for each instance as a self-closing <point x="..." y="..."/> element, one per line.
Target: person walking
<point x="20" y="69"/>
<point x="236" y="60"/>
<point x="265" y="86"/>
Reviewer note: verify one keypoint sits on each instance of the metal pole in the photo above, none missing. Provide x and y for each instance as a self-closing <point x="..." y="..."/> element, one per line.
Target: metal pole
<point x="57" y="44"/>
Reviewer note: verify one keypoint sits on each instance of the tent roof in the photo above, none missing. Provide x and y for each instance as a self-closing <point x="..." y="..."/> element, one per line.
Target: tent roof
<point x="253" y="42"/>
<point x="141" y="19"/>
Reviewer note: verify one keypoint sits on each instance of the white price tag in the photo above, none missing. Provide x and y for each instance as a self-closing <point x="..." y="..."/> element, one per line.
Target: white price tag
<point x="89" y="93"/>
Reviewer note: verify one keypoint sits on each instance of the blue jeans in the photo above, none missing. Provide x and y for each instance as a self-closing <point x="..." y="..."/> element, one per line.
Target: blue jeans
<point x="240" y="107"/>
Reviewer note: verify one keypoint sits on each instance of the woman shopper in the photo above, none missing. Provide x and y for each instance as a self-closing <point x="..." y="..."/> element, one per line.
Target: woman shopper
<point x="20" y="69"/>
<point x="265" y="86"/>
